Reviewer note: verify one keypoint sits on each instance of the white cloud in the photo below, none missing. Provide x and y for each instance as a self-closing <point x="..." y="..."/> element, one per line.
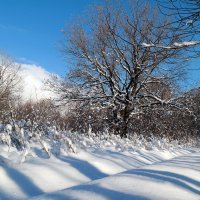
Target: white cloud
<point x="33" y="79"/>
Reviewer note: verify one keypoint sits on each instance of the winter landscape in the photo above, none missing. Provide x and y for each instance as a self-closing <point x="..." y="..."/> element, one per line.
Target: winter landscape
<point x="122" y="122"/>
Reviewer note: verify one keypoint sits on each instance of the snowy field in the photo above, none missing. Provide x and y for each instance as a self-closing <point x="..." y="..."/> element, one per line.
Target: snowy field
<point x="101" y="174"/>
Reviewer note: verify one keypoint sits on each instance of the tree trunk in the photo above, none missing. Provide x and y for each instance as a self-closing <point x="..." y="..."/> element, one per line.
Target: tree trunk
<point x="124" y="121"/>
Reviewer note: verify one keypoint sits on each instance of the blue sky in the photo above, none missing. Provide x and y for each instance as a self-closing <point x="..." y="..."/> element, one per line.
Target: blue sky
<point x="30" y="30"/>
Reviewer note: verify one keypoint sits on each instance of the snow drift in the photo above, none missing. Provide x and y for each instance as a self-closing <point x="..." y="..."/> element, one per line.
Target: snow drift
<point x="177" y="178"/>
<point x="100" y="172"/>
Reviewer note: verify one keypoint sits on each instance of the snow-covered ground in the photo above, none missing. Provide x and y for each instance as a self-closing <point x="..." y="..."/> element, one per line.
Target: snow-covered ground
<point x="101" y="173"/>
<point x="178" y="178"/>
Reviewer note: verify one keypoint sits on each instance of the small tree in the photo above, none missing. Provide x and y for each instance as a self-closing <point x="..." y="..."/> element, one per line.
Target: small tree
<point x="116" y="66"/>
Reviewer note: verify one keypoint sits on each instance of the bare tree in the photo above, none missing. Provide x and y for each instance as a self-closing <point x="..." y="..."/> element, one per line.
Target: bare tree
<point x="114" y="65"/>
<point x="9" y="82"/>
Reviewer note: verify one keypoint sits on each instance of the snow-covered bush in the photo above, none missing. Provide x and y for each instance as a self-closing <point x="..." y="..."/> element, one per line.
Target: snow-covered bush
<point x="89" y="127"/>
<point x="36" y="122"/>
<point x="132" y="143"/>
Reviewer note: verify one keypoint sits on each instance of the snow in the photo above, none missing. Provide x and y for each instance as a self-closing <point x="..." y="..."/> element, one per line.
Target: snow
<point x="147" y="45"/>
<point x="190" y="22"/>
<point x="183" y="44"/>
<point x="175" y="45"/>
<point x="177" y="178"/>
<point x="100" y="173"/>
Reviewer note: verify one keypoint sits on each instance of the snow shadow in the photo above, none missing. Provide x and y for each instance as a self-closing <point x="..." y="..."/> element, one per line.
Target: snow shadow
<point x="108" y="193"/>
<point x="84" y="167"/>
<point x="117" y="156"/>
<point x="41" y="153"/>
<point x="53" y="196"/>
<point x="23" y="182"/>
<point x="92" y="192"/>
<point x="176" y="179"/>
<point x="4" y="196"/>
<point x="150" y="158"/>
<point x="119" y="159"/>
<point x="190" y="162"/>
